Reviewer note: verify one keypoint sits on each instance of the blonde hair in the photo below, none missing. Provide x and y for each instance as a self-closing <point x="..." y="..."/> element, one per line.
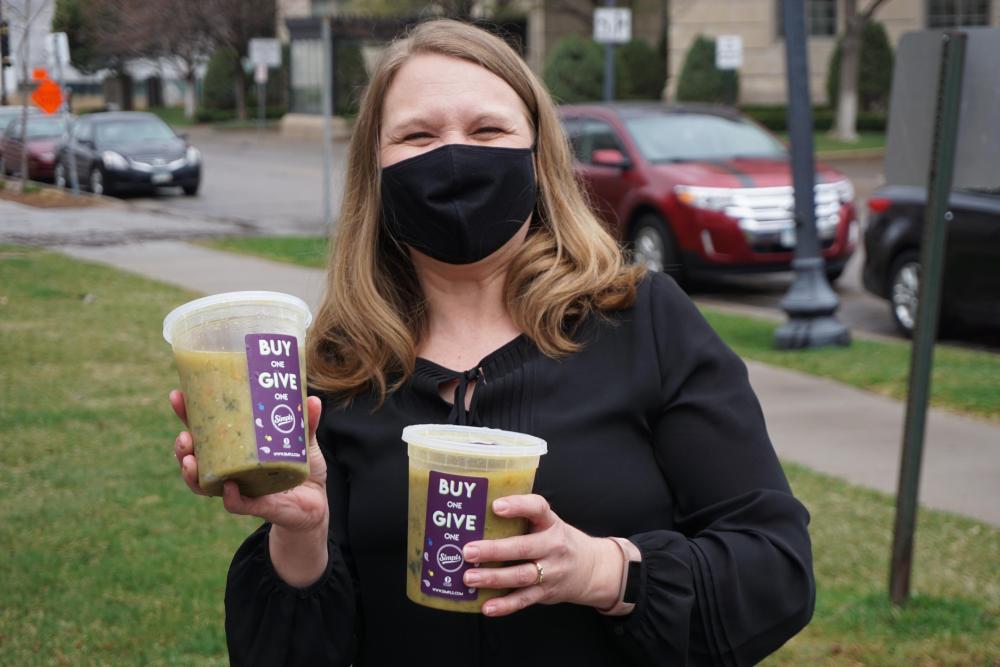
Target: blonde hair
<point x="373" y="312"/>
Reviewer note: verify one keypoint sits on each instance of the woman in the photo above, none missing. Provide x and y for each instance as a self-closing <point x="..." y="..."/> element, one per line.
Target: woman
<point x="469" y="283"/>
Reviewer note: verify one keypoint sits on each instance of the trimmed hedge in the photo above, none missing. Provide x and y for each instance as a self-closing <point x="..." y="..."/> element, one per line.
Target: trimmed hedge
<point x="775" y="118"/>
<point x="218" y="92"/>
<point x="574" y="71"/>
<point x="700" y="81"/>
<point x="644" y="71"/>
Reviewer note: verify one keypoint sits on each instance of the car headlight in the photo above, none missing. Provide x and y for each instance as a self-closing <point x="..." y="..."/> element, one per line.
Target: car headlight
<point x="113" y="160"/>
<point x="845" y="191"/>
<point x="193" y="155"/>
<point x="712" y="199"/>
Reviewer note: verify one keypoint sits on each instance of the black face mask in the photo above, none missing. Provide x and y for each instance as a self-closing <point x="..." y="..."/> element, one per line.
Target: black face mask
<point x="459" y="203"/>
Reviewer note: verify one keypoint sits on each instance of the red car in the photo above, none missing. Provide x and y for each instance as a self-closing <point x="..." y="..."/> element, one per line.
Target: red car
<point x="43" y="136"/>
<point x="696" y="190"/>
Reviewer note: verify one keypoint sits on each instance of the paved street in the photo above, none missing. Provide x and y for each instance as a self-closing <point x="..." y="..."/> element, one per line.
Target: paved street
<point x="273" y="185"/>
<point x="263" y="179"/>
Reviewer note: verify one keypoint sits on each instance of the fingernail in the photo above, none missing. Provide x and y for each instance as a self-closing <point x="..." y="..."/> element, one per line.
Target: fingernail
<point x="472" y="579"/>
<point x="471" y="553"/>
<point x="500" y="505"/>
<point x="489" y="609"/>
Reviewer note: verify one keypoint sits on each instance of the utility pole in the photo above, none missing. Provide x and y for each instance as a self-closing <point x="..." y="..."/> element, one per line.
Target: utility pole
<point x="25" y="48"/>
<point x="327" y="121"/>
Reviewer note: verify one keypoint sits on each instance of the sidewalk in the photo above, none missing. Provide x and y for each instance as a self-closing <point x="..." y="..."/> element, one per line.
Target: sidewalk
<point x="822" y="424"/>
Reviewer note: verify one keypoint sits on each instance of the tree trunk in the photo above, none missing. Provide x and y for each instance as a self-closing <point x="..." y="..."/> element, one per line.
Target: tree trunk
<point x="240" y="92"/>
<point x="850" y="64"/>
<point x="189" y="95"/>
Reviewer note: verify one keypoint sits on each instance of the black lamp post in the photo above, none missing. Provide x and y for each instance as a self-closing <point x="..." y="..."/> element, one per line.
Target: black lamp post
<point x="810" y="303"/>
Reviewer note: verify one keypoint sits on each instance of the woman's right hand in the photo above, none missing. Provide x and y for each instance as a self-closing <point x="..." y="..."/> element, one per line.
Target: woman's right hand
<point x="301" y="509"/>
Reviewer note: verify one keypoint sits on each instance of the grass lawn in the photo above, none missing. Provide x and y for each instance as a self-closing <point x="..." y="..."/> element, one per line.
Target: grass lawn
<point x="824" y="143"/>
<point x="303" y="250"/>
<point x="964" y="380"/>
<point x="173" y="116"/>
<point x="109" y="560"/>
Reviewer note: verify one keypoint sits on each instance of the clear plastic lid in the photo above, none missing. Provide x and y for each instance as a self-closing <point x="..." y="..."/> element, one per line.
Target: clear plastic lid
<point x="473" y="440"/>
<point x="218" y="307"/>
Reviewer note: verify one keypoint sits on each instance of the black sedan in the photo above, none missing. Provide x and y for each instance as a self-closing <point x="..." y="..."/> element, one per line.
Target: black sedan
<point x="971" y="283"/>
<point x="117" y="152"/>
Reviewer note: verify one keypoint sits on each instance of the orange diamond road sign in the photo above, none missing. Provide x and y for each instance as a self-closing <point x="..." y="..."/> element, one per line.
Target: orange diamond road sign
<point x="47" y="96"/>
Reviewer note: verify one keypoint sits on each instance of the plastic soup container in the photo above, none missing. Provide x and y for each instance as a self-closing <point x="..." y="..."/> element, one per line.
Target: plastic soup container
<point x="456" y="472"/>
<point x="241" y="361"/>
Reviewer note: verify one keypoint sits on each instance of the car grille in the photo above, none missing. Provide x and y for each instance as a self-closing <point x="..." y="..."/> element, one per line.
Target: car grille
<point x="766" y="216"/>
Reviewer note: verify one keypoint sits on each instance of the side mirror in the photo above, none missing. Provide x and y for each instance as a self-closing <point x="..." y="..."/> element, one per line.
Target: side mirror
<point x="610" y="157"/>
<point x="183" y="135"/>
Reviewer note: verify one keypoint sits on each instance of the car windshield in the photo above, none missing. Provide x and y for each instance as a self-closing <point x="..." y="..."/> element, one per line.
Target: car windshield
<point x="43" y="128"/>
<point x="687" y="137"/>
<point x="133" y="131"/>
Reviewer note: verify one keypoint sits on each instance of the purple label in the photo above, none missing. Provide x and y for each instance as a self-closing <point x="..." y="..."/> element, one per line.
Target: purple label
<point x="456" y="510"/>
<point x="276" y="394"/>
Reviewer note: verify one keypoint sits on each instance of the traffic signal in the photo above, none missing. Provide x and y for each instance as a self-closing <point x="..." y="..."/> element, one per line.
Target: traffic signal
<point x="4" y="45"/>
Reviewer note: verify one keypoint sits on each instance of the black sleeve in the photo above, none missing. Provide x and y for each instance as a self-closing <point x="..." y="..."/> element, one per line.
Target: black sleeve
<point x="269" y="622"/>
<point x="734" y="580"/>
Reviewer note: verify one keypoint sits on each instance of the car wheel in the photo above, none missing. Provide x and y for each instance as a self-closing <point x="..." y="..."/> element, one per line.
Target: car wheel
<point x="60" y="175"/>
<point x="190" y="190"/>
<point x="904" y="286"/>
<point x="96" y="181"/>
<point x="653" y="246"/>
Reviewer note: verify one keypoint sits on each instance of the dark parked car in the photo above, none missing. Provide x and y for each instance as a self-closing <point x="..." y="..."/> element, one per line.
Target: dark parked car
<point x="971" y="280"/>
<point x="701" y="189"/>
<point x="116" y="152"/>
<point x="42" y="137"/>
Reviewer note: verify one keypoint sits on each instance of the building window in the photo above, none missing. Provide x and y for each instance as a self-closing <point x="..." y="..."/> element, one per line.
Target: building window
<point x="821" y="18"/>
<point x="307" y="76"/>
<point x="957" y="13"/>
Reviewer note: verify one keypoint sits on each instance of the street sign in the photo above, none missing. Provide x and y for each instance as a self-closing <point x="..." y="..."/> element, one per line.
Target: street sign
<point x="265" y="51"/>
<point x="260" y="73"/>
<point x="612" y="25"/>
<point x="57" y="49"/>
<point x="48" y="96"/>
<point x="728" y="52"/>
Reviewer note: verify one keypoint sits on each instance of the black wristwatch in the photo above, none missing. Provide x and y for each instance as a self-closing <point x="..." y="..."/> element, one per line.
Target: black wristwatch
<point x="631" y="593"/>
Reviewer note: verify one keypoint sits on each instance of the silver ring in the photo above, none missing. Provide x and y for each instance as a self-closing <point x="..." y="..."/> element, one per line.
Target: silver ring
<point x="541" y="573"/>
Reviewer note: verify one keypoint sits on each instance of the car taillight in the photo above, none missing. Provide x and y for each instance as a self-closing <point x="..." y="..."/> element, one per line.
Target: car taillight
<point x="879" y="204"/>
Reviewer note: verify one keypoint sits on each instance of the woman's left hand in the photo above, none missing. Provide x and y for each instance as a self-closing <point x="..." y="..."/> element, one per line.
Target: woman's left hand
<point x="577" y="568"/>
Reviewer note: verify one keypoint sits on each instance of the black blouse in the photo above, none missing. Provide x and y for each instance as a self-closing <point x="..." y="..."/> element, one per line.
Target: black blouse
<point x="653" y="434"/>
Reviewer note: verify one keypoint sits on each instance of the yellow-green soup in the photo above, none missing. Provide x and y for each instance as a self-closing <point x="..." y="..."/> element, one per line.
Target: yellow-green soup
<point x="220" y="415"/>
<point x="501" y="483"/>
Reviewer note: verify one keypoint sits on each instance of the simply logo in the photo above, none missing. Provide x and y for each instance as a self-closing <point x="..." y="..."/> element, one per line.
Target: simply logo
<point x="282" y="418"/>
<point x="449" y="558"/>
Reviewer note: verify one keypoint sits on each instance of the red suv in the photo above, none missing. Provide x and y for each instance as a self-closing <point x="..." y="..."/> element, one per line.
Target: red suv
<point x="701" y="189"/>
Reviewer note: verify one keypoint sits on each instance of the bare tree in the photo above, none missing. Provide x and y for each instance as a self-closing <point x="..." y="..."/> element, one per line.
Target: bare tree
<point x="845" y="128"/>
<point x="175" y="30"/>
<point x="232" y="23"/>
